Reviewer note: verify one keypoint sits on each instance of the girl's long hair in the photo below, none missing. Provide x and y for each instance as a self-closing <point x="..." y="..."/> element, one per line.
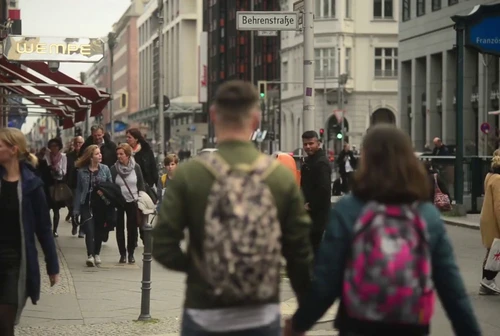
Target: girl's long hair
<point x="86" y="157"/>
<point x="15" y="138"/>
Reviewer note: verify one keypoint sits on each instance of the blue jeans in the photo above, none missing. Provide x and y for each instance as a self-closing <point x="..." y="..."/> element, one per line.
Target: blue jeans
<point x="190" y="328"/>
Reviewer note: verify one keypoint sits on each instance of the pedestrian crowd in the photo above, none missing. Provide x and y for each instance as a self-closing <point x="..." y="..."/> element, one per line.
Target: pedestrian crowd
<point x="382" y="249"/>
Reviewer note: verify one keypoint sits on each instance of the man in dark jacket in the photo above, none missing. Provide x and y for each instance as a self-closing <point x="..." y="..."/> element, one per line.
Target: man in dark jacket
<point x="316" y="185"/>
<point x="347" y="164"/>
<point x="103" y="140"/>
<point x="71" y="179"/>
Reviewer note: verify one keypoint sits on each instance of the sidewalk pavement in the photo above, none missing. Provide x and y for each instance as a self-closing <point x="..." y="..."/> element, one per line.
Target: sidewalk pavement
<point x="106" y="300"/>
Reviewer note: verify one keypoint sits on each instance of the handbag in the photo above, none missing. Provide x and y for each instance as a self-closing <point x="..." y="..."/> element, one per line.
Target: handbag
<point x="441" y="201"/>
<point x="139" y="214"/>
<point x="60" y="192"/>
<point x="493" y="258"/>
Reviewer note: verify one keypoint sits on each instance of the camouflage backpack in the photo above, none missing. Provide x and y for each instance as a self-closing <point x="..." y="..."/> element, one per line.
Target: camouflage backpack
<point x="242" y="241"/>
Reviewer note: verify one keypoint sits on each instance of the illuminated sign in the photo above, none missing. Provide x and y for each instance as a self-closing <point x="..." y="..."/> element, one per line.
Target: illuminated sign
<point x="25" y="48"/>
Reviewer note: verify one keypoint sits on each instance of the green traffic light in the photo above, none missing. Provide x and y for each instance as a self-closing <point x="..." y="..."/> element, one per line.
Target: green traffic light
<point x="339" y="136"/>
<point x="262" y="95"/>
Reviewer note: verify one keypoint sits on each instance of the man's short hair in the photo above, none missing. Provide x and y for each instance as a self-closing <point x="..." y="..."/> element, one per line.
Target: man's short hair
<point x="97" y="127"/>
<point x="234" y="100"/>
<point x="170" y="158"/>
<point x="310" y="135"/>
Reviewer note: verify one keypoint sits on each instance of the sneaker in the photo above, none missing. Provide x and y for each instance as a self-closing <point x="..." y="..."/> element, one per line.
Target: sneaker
<point x="491" y="285"/>
<point x="97" y="259"/>
<point x="131" y="259"/>
<point x="81" y="235"/>
<point x="74" y="230"/>
<point x="123" y="259"/>
<point x="486" y="291"/>
<point x="90" y="261"/>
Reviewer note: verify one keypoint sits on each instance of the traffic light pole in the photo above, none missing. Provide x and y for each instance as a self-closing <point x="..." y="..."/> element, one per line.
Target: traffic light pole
<point x="161" y="103"/>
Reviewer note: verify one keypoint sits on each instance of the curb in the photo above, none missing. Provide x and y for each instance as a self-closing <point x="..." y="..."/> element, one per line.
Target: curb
<point x="452" y="222"/>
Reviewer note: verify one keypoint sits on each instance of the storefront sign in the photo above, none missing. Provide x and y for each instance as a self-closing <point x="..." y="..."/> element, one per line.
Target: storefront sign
<point x="60" y="49"/>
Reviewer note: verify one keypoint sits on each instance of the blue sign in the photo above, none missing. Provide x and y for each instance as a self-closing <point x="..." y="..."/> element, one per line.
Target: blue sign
<point x="481" y="28"/>
<point x="485" y="36"/>
<point x="17" y="112"/>
<point x="120" y="126"/>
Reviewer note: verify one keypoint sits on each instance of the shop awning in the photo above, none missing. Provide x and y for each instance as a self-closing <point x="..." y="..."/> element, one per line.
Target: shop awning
<point x="56" y="92"/>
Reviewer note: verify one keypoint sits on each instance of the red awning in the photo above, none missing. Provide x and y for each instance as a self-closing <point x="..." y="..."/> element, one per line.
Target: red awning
<point x="67" y="92"/>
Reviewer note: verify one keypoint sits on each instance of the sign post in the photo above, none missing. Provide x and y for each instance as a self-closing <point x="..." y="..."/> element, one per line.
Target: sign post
<point x="477" y="30"/>
<point x="289" y="21"/>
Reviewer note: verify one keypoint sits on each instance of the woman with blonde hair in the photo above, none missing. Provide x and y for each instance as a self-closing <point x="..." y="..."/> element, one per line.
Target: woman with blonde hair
<point x="25" y="212"/>
<point x="127" y="174"/>
<point x="89" y="208"/>
<point x="490" y="221"/>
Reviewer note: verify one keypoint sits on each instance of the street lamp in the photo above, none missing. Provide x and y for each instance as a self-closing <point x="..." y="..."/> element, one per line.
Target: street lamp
<point x="111" y="46"/>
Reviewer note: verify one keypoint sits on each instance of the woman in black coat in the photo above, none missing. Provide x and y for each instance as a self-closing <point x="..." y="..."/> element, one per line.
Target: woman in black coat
<point x="143" y="156"/>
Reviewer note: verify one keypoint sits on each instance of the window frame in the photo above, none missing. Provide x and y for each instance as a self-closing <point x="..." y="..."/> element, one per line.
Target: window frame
<point x="421" y="4"/>
<point x="330" y="60"/>
<point x="393" y="57"/>
<point x="406" y="10"/>
<point x="436" y="5"/>
<point x="319" y="10"/>
<point x="382" y="10"/>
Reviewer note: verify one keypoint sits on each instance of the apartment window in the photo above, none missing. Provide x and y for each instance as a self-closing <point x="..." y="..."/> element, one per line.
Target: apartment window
<point x="124" y="100"/>
<point x="420" y="7"/>
<point x="324" y="9"/>
<point x="285" y="76"/>
<point x="452" y="2"/>
<point x="348" y="61"/>
<point x="436" y="5"/>
<point x="386" y="62"/>
<point x="406" y="10"/>
<point x="325" y="64"/>
<point x="348" y="9"/>
<point x="383" y="9"/>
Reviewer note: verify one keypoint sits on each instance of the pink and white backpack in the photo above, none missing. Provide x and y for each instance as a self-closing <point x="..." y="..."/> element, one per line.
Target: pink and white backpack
<point x="388" y="273"/>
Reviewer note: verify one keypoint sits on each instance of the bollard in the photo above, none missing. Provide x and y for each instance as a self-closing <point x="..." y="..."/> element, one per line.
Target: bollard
<point x="146" y="272"/>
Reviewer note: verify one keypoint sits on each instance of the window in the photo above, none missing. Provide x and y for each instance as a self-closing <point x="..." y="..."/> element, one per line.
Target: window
<point x="386" y="62"/>
<point x="348" y="9"/>
<point x="324" y="9"/>
<point x="325" y="64"/>
<point x="285" y="76"/>
<point x="436" y="5"/>
<point x="406" y="10"/>
<point x="420" y="7"/>
<point x="452" y="2"/>
<point x="348" y="61"/>
<point x="383" y="9"/>
<point x="124" y="100"/>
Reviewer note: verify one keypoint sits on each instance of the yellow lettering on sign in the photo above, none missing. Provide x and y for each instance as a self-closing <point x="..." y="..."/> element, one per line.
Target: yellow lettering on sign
<point x="54" y="48"/>
<point x="23" y="48"/>
<point x="57" y="48"/>
<point x="41" y="49"/>
<point x="85" y="50"/>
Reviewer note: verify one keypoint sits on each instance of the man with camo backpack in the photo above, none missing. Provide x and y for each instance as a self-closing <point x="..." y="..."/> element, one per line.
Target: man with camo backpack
<point x="244" y="212"/>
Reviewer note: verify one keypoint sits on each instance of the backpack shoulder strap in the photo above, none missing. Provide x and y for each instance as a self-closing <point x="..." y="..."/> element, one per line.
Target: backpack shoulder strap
<point x="264" y="166"/>
<point x="215" y="164"/>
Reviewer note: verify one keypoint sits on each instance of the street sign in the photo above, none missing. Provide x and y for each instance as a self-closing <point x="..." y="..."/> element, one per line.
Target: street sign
<point x="485" y="128"/>
<point x="267" y="33"/>
<point x="298" y="6"/>
<point x="267" y="20"/>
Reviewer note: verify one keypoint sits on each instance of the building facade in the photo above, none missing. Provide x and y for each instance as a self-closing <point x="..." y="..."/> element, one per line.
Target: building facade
<point x="125" y="69"/>
<point x="231" y="53"/>
<point x="355" y="38"/>
<point x="99" y="75"/>
<point x="185" y="124"/>
<point x="427" y="84"/>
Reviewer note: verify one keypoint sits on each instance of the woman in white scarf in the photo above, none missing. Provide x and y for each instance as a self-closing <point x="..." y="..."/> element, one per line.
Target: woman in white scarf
<point x="128" y="176"/>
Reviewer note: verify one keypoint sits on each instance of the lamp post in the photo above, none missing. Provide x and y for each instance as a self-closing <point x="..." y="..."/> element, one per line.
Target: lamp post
<point x="161" y="103"/>
<point x="111" y="46"/>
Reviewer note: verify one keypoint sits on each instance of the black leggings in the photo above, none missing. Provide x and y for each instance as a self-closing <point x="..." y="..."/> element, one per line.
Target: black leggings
<point x="7" y="319"/>
<point x="57" y="217"/>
